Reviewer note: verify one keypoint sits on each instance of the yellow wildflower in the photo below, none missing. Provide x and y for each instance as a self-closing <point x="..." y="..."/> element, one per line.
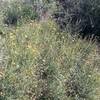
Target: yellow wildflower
<point x="1" y="74"/>
<point x="13" y="44"/>
<point x="11" y="34"/>
<point x="1" y="93"/>
<point x="34" y="50"/>
<point x="29" y="46"/>
<point x="54" y="29"/>
<point x="29" y="72"/>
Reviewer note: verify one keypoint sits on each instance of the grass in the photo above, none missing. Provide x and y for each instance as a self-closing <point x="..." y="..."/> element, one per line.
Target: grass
<point x="45" y="64"/>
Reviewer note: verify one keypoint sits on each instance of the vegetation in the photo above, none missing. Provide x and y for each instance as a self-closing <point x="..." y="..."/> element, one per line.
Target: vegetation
<point x="79" y="16"/>
<point x="17" y="11"/>
<point x="40" y="62"/>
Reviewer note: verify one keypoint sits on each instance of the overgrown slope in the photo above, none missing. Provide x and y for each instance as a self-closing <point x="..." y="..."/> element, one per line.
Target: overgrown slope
<point x="45" y="64"/>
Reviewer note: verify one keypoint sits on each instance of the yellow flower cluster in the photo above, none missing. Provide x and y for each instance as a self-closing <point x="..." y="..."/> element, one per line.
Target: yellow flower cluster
<point x="12" y="36"/>
<point x="1" y="74"/>
<point x="32" y="48"/>
<point x="29" y="72"/>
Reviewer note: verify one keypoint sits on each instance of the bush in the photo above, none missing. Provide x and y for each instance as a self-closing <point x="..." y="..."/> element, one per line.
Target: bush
<point x="12" y="15"/>
<point x="79" y="16"/>
<point x="18" y="11"/>
<point x="79" y="84"/>
<point x="28" y="12"/>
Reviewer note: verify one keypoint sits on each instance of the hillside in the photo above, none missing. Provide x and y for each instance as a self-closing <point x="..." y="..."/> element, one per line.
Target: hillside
<point x="40" y="62"/>
<point x="40" y="59"/>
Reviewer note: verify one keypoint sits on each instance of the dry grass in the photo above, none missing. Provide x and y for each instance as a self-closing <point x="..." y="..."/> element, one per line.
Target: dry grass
<point x="40" y="60"/>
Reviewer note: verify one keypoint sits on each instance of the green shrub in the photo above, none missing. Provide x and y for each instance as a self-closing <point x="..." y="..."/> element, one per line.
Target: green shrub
<point x="17" y="12"/>
<point x="80" y="83"/>
<point x="28" y="12"/>
<point x="12" y="15"/>
<point x="79" y="16"/>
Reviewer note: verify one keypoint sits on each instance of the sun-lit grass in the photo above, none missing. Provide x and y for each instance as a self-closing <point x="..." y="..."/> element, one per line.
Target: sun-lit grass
<point x="40" y="62"/>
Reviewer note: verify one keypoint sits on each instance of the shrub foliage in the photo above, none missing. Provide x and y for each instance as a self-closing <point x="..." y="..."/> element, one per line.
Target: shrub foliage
<point x="79" y="16"/>
<point x="17" y="11"/>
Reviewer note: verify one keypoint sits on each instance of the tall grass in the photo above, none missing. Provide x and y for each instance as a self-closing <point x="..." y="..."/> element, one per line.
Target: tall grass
<point x="45" y="64"/>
